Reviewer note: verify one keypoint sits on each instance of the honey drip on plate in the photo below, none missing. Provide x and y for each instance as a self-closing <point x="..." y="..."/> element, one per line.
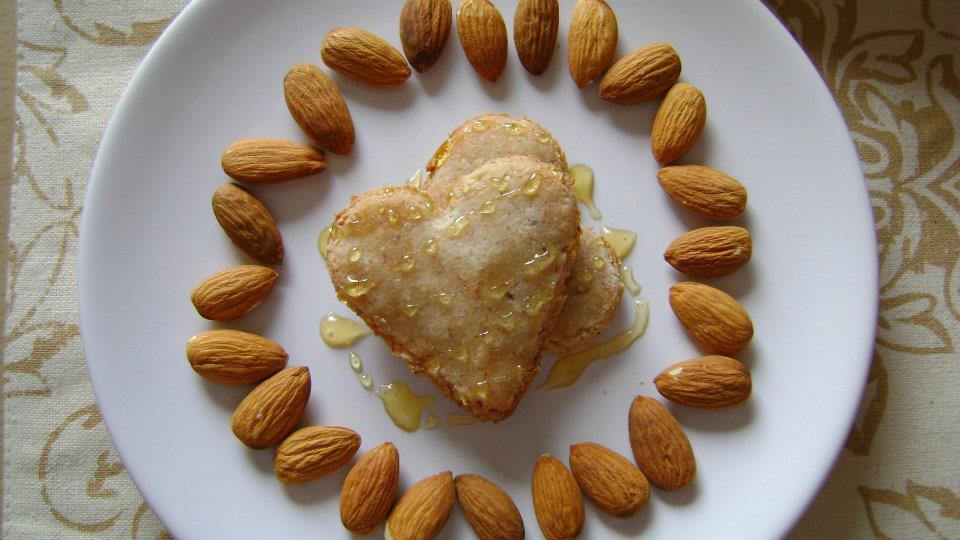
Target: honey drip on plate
<point x="583" y="187"/>
<point x="622" y="241"/>
<point x="432" y="421"/>
<point x="626" y="276"/>
<point x="323" y="239"/>
<point x="457" y="419"/>
<point x="569" y="368"/>
<point x="415" y="179"/>
<point x="337" y="331"/>
<point x="403" y="406"/>
<point x="356" y="364"/>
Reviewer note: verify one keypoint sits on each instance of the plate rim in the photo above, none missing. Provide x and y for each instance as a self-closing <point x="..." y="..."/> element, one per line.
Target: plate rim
<point x="97" y="182"/>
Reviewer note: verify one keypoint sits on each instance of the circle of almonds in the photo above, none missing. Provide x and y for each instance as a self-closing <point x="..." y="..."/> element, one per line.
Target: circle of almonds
<point x="268" y="415"/>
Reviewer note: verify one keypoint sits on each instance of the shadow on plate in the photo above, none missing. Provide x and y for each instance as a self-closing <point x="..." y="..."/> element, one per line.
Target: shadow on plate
<point x="319" y="490"/>
<point x="629" y="526"/>
<point x="680" y="497"/>
<point x="714" y="420"/>
<point x="226" y="396"/>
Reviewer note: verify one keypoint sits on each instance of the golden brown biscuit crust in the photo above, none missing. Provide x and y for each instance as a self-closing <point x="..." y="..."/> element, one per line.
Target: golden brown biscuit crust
<point x="594" y="290"/>
<point x="464" y="287"/>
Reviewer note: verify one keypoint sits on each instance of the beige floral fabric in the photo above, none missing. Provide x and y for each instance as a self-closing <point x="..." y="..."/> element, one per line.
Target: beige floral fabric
<point x="892" y="66"/>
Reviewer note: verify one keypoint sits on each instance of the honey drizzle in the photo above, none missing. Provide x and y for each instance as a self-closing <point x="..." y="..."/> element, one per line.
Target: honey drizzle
<point x="621" y="240"/>
<point x="457" y="419"/>
<point x="415" y="179"/>
<point x="338" y="331"/>
<point x="583" y="187"/>
<point x="323" y="239"/>
<point x="626" y="275"/>
<point x="403" y="406"/>
<point x="432" y="421"/>
<point x="569" y="368"/>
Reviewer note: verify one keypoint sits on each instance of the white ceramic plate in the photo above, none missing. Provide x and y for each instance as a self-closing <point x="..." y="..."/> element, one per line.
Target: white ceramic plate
<point x="148" y="237"/>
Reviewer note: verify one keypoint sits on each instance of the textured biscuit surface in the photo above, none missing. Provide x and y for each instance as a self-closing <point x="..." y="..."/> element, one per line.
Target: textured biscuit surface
<point x="466" y="286"/>
<point x="594" y="290"/>
<point x="490" y="136"/>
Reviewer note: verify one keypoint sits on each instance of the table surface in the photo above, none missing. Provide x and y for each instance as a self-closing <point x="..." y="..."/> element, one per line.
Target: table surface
<point x="892" y="66"/>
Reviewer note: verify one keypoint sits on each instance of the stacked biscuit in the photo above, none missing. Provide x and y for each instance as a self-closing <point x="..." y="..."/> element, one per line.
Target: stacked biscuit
<point x="471" y="276"/>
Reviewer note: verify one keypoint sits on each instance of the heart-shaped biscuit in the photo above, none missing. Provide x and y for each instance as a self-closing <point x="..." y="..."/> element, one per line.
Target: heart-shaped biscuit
<point x="464" y="287"/>
<point x="594" y="288"/>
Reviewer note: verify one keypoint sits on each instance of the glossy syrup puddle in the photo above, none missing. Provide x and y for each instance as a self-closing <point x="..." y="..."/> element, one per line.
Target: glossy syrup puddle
<point x="621" y="240"/>
<point x="569" y="368"/>
<point x="583" y="187"/>
<point x="338" y="331"/>
<point x="403" y="406"/>
<point x="626" y="275"/>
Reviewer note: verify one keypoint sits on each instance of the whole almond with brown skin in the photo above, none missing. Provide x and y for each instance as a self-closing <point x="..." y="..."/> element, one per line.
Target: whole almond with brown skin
<point x="708" y="382"/>
<point x="706" y="191"/>
<point x="248" y="223"/>
<point x="234" y="357"/>
<point x="678" y="123"/>
<point x="535" y="26"/>
<point x="642" y="75"/>
<point x="556" y="499"/>
<point x="611" y="481"/>
<point x="714" y="319"/>
<point x="311" y="452"/>
<point x="710" y="251"/>
<point x="660" y="446"/>
<point x="591" y="40"/>
<point x="229" y="294"/>
<point x="483" y="36"/>
<point x="271" y="411"/>
<point x="490" y="511"/>
<point x="364" y="57"/>
<point x="269" y="161"/>
<point x="369" y="489"/>
<point x="424" y="29"/>
<point x="423" y="510"/>
<point x="318" y="108"/>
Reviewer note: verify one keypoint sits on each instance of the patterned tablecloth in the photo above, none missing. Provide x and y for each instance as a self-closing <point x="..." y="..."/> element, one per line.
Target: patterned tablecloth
<point x="892" y="66"/>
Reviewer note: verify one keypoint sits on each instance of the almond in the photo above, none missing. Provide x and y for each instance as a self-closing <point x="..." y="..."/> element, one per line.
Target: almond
<point x="234" y="357"/>
<point x="660" y="446"/>
<point x="229" y="294"/>
<point x="490" y="511"/>
<point x="708" y="382"/>
<point x="678" y="123"/>
<point x="424" y="29"/>
<point x="710" y="251"/>
<point x="248" y="223"/>
<point x="364" y="57"/>
<point x="311" y="452"/>
<point x="268" y="161"/>
<point x="556" y="499"/>
<point x="714" y="319"/>
<point x="369" y="489"/>
<point x="270" y="412"/>
<point x="535" y="33"/>
<point x="318" y="108"/>
<point x="483" y="36"/>
<point x="642" y="75"/>
<point x="423" y="510"/>
<point x="706" y="191"/>
<point x="591" y="40"/>
<point x="611" y="481"/>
